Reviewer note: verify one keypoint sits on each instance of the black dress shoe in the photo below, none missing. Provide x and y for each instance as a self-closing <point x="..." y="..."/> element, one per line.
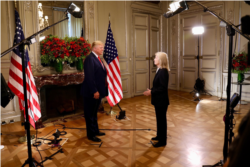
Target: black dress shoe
<point x="160" y="144"/>
<point x="95" y="139"/>
<point x="100" y="134"/>
<point x="155" y="138"/>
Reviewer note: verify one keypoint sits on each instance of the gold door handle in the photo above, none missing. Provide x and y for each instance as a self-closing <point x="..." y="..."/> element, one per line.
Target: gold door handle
<point x="196" y="57"/>
<point x="150" y="58"/>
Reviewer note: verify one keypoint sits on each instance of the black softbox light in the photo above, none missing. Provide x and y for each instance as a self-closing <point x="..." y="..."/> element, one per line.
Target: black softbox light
<point x="75" y="11"/>
<point x="5" y="93"/>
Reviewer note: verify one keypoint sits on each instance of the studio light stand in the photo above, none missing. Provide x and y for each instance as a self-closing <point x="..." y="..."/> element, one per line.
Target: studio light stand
<point x="199" y="84"/>
<point x="231" y="28"/>
<point x="178" y="6"/>
<point x="72" y="9"/>
<point x="21" y="45"/>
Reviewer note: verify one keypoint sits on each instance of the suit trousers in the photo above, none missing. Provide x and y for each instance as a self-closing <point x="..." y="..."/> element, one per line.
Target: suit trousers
<point x="161" y="120"/>
<point x="90" y="107"/>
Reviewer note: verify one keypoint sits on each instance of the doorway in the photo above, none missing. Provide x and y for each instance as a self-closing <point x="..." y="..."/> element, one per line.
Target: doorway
<point x="146" y="28"/>
<point x="209" y="44"/>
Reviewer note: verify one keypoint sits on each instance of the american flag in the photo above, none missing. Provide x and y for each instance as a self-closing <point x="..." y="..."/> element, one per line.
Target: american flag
<point x="113" y="70"/>
<point x="15" y="82"/>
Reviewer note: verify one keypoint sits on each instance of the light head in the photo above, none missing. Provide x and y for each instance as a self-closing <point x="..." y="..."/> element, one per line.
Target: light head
<point x="176" y="7"/>
<point x="75" y="10"/>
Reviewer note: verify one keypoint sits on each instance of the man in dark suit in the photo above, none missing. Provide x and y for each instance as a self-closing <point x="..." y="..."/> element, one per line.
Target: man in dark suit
<point x="159" y="97"/>
<point x="94" y="88"/>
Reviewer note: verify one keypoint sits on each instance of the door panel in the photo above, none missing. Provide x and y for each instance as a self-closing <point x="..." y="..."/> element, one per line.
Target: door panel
<point x="208" y="39"/>
<point x="189" y="78"/>
<point x="147" y="43"/>
<point x="141" y="65"/>
<point x="208" y="49"/>
<point x="141" y="42"/>
<point x="210" y="80"/>
<point x="141" y="80"/>
<point x="154" y="45"/>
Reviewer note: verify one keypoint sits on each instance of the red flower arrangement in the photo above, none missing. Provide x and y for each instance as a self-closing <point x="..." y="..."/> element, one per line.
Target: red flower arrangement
<point x="53" y="49"/>
<point x="69" y="49"/>
<point x="240" y="63"/>
<point x="79" y="48"/>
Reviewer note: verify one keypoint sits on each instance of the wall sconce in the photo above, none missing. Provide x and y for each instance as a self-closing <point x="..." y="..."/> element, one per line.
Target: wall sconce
<point x="43" y="22"/>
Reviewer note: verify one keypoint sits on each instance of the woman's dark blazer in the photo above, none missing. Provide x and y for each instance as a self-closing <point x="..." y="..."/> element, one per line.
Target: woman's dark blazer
<point x="159" y="91"/>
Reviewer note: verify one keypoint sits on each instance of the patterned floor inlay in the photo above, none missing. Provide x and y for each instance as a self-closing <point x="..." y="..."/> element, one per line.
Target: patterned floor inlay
<point x="195" y="136"/>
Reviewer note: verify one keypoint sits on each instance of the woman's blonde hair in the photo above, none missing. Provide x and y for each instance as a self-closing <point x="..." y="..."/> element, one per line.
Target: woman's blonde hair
<point x="94" y="44"/>
<point x="163" y="59"/>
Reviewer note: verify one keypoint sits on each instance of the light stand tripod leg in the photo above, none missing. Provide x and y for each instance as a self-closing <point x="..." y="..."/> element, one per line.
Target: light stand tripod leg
<point x="50" y="157"/>
<point x="205" y="92"/>
<point x="220" y="163"/>
<point x="193" y="91"/>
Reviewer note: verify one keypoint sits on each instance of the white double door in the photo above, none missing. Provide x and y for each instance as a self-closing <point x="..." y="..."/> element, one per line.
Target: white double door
<point x="146" y="35"/>
<point x="209" y="48"/>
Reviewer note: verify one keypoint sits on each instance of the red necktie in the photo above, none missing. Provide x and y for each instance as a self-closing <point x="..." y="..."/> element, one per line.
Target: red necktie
<point x="106" y="83"/>
<point x="100" y="61"/>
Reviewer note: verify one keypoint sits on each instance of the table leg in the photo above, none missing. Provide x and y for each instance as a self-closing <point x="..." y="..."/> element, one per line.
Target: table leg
<point x="240" y="92"/>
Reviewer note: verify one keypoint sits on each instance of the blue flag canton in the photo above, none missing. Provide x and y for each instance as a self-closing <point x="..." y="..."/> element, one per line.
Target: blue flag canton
<point x="19" y="36"/>
<point x="110" y="51"/>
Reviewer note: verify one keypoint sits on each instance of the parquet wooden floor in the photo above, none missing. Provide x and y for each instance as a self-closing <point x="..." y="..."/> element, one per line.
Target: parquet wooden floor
<point x="195" y="136"/>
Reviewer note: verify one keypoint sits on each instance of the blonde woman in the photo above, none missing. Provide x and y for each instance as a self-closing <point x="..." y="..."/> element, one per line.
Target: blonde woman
<point x="159" y="98"/>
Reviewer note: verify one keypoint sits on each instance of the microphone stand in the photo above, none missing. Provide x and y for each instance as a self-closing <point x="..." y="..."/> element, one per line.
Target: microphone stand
<point x="26" y="124"/>
<point x="231" y="28"/>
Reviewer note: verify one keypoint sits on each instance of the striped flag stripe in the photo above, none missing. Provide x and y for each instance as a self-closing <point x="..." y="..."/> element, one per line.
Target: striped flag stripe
<point x="14" y="88"/>
<point x="117" y="75"/>
<point x="115" y="95"/>
<point x="110" y="99"/>
<point x="113" y="69"/>
<point x="114" y="83"/>
<point x="20" y="81"/>
<point x="111" y="88"/>
<point x="16" y="63"/>
<point x="31" y="81"/>
<point x="16" y="77"/>
<point x="37" y="107"/>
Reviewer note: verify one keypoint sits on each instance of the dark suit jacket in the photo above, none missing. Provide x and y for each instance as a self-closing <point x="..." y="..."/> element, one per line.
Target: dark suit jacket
<point x="94" y="77"/>
<point x="159" y="91"/>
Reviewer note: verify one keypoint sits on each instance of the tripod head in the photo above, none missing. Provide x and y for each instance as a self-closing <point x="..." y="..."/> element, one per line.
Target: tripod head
<point x="56" y="136"/>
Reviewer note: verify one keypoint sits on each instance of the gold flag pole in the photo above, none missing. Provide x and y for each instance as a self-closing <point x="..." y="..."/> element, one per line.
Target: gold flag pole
<point x="110" y="112"/>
